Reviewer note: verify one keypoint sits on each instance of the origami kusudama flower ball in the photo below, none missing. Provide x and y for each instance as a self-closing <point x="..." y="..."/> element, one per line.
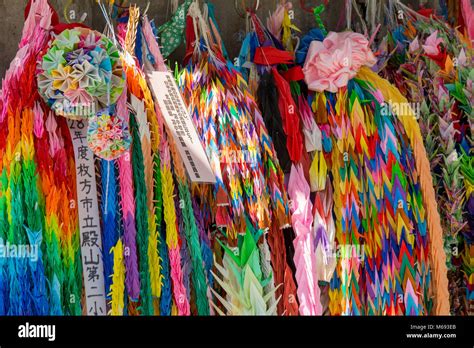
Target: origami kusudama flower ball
<point x="80" y="73"/>
<point x="108" y="136"/>
<point x="330" y="64"/>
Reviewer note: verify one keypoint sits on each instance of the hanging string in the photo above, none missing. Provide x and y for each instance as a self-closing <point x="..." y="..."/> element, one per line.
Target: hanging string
<point x="174" y="5"/>
<point x="200" y="28"/>
<point x="109" y="25"/>
<point x="66" y="10"/>
<point x="146" y="8"/>
<point x="364" y="25"/>
<point x="370" y="13"/>
<point x="348" y="14"/>
<point x="380" y="5"/>
<point x="192" y="14"/>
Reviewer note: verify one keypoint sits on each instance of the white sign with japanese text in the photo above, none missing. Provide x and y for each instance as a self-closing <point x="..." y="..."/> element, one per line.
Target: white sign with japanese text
<point x="181" y="126"/>
<point x="89" y="221"/>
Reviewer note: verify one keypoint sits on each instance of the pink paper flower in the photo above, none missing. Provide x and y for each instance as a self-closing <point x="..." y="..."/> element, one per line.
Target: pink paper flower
<point x="330" y="64"/>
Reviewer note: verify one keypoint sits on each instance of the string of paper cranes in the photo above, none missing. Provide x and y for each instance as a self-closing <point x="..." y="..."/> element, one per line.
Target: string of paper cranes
<point x="317" y="173"/>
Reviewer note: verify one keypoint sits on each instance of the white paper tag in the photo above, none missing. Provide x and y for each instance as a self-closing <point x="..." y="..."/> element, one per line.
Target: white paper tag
<point x="179" y="122"/>
<point x="89" y="222"/>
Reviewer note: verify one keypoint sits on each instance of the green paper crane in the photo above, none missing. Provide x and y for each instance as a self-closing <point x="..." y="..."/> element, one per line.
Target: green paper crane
<point x="241" y="278"/>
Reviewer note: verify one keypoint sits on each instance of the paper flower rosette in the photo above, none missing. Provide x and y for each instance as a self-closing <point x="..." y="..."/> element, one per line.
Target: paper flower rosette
<point x="108" y="136"/>
<point x="80" y="73"/>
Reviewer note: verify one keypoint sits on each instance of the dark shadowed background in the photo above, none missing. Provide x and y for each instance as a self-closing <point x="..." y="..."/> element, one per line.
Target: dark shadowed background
<point x="230" y="23"/>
